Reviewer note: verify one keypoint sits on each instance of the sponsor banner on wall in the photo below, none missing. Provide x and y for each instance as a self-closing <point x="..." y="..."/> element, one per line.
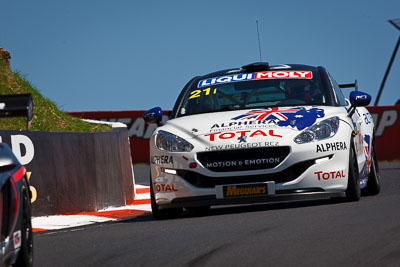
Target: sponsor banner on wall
<point x="387" y="130"/>
<point x="138" y="131"/>
<point x="386" y="118"/>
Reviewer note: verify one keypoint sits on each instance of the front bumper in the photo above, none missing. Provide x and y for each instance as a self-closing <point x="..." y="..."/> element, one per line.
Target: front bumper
<point x="304" y="180"/>
<point x="309" y="171"/>
<point x="211" y="200"/>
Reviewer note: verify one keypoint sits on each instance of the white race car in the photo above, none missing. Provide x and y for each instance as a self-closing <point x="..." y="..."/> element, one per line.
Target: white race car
<point x="261" y="133"/>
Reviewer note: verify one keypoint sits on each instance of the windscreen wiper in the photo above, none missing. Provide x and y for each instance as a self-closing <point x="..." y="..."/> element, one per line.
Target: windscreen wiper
<point x="230" y="107"/>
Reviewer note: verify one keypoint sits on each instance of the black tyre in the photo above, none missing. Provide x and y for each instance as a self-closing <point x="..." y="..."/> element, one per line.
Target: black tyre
<point x="25" y="255"/>
<point x="353" y="191"/>
<point x="374" y="180"/>
<point x="162" y="214"/>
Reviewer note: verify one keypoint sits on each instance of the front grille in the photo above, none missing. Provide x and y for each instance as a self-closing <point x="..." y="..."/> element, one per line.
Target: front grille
<point x="244" y="159"/>
<point x="286" y="175"/>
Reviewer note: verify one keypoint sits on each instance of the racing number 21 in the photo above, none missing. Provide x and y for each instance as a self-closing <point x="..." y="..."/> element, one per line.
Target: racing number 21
<point x="197" y="93"/>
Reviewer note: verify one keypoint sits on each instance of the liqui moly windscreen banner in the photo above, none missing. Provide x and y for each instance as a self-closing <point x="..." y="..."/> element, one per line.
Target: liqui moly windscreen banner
<point x="267" y="75"/>
<point x="386" y="118"/>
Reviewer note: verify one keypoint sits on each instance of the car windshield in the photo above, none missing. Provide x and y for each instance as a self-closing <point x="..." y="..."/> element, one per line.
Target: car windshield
<point x="237" y="92"/>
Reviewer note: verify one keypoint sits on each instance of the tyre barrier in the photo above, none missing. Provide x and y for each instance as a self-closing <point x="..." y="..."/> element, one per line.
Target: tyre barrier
<point x="74" y="172"/>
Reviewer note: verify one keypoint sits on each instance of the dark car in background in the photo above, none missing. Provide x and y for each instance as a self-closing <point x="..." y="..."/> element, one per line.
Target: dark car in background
<point x="16" y="240"/>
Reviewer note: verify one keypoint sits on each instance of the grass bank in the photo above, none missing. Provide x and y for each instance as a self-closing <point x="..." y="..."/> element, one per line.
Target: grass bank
<point x="47" y="116"/>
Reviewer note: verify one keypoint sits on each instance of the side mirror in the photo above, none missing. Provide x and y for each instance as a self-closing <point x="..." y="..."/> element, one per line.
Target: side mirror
<point x="359" y="99"/>
<point x="153" y="115"/>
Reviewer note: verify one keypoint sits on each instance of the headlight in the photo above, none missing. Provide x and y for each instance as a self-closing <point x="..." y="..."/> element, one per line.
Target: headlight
<point x="172" y="143"/>
<point x="322" y="130"/>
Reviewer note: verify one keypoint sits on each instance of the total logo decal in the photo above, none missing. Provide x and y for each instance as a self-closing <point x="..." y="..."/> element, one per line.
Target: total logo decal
<point x="244" y="133"/>
<point x="299" y="118"/>
<point x="164" y="188"/>
<point x="256" y="76"/>
<point x="17" y="142"/>
<point x="330" y="175"/>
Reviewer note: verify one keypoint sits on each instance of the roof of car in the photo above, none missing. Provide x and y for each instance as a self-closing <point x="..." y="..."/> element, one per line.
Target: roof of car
<point x="282" y="67"/>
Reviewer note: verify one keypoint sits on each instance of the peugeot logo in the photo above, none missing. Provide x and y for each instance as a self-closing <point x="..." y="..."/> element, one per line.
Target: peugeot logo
<point x="242" y="139"/>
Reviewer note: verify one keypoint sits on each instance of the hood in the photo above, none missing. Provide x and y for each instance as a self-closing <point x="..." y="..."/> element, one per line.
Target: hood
<point x="282" y="120"/>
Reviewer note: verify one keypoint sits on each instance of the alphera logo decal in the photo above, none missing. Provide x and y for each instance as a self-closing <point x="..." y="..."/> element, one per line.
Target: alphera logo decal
<point x="299" y="118"/>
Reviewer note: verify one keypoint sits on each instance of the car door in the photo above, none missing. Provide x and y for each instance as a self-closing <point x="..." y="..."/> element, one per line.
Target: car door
<point x="358" y="140"/>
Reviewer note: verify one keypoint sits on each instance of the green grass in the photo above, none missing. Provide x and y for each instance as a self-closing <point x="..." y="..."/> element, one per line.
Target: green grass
<point x="47" y="116"/>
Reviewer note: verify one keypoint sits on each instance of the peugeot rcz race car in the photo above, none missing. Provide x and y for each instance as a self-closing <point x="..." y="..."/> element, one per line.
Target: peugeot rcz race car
<point x="16" y="240"/>
<point x="261" y="133"/>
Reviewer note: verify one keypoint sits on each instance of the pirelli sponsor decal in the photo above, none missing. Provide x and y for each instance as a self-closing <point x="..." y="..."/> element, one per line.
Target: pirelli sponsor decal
<point x="245" y="190"/>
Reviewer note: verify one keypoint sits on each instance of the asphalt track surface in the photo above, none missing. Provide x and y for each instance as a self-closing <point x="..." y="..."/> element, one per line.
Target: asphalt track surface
<point x="314" y="233"/>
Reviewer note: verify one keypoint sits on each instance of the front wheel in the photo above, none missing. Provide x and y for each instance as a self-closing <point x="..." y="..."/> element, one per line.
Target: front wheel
<point x="162" y="214"/>
<point x="374" y="180"/>
<point x="353" y="191"/>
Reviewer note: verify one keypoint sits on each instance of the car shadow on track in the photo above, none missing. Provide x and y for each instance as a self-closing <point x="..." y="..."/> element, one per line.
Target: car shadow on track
<point x="248" y="208"/>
